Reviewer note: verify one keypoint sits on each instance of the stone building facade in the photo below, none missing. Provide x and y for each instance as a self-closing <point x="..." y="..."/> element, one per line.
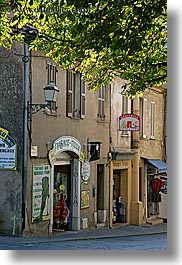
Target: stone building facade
<point x="11" y="135"/>
<point x="136" y="152"/>
<point x="67" y="147"/>
<point x="83" y="170"/>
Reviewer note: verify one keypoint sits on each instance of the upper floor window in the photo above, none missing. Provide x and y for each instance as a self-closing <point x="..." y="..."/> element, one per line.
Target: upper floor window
<point x="124" y="104"/>
<point x="52" y="77"/>
<point x="124" y="110"/>
<point x="143" y="110"/>
<point x="152" y="119"/>
<point x="101" y="103"/>
<point x="51" y="72"/>
<point x="75" y="100"/>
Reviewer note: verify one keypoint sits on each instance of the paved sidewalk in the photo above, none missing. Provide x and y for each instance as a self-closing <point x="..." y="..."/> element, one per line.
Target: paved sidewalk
<point x="116" y="231"/>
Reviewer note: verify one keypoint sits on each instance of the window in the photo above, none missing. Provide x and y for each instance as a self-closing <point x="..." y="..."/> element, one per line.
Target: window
<point x="124" y="110"/>
<point x="101" y="101"/>
<point x="124" y="104"/>
<point x="143" y="104"/>
<point x="51" y="72"/>
<point x="75" y="101"/>
<point x="51" y="77"/>
<point x="83" y="98"/>
<point x="152" y="120"/>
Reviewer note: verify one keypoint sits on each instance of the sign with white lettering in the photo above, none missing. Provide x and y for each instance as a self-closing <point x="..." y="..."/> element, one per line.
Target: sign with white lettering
<point x="129" y="122"/>
<point x="8" y="151"/>
<point x="67" y="143"/>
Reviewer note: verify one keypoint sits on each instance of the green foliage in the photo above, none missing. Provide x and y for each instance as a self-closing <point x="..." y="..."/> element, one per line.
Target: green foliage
<point x="97" y="38"/>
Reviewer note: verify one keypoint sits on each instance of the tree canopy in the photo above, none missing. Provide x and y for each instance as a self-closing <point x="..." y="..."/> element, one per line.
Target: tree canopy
<point x="99" y="38"/>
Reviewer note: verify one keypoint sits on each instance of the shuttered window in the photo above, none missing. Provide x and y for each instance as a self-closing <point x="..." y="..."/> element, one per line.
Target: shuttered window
<point x="101" y="103"/>
<point x="51" y="72"/>
<point x="69" y="94"/>
<point x="124" y="104"/>
<point x="83" y="98"/>
<point x="152" y="119"/>
<point x="75" y="101"/>
<point x="143" y="115"/>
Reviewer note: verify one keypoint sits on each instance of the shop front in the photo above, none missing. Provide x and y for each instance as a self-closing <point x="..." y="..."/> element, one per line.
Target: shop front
<point x="65" y="186"/>
<point x="120" y="187"/>
<point x="156" y="183"/>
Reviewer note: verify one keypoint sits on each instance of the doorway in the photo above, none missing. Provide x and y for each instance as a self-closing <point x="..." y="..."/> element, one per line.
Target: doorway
<point x="119" y="196"/>
<point x="62" y="197"/>
<point x="100" y="194"/>
<point x="153" y="197"/>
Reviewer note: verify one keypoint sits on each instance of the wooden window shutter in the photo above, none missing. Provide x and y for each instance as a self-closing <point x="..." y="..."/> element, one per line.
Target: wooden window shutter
<point x="69" y="94"/>
<point x="83" y="98"/>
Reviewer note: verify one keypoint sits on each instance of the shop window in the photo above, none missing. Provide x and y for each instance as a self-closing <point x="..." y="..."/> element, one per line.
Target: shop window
<point x="75" y="100"/>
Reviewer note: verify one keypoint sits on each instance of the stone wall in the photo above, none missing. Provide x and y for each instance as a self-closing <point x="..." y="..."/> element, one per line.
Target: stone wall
<point x="11" y="119"/>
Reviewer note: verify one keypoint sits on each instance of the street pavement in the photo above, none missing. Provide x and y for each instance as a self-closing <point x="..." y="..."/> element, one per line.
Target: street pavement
<point x="99" y="233"/>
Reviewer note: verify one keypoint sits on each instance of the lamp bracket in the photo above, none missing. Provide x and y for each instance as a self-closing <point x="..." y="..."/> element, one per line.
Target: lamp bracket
<point x="34" y="108"/>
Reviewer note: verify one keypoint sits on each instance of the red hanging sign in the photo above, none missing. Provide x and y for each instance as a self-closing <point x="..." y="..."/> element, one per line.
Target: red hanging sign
<point x="129" y="122"/>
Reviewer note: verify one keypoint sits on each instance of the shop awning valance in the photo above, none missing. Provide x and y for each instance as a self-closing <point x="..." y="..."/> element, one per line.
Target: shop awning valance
<point x="161" y="165"/>
<point x="122" y="154"/>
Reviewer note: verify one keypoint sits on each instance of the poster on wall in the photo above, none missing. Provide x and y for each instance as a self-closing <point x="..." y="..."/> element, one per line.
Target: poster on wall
<point x="41" y="193"/>
<point x="8" y="151"/>
<point x="85" y="199"/>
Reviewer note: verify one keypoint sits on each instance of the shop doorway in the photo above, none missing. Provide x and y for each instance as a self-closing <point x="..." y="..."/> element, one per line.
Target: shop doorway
<point x="153" y="196"/>
<point x="62" y="197"/>
<point x="119" y="196"/>
<point x="100" y="194"/>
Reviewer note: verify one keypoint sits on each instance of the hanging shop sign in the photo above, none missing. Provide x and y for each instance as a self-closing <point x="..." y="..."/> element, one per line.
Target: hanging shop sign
<point x="85" y="170"/>
<point x="41" y="193"/>
<point x="129" y="122"/>
<point x="8" y="151"/>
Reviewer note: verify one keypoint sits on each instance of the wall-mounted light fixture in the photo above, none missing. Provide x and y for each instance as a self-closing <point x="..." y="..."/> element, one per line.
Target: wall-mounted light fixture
<point x="50" y="95"/>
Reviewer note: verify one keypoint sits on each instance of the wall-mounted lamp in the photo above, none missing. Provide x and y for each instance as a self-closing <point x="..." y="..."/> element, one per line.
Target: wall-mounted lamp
<point x="50" y="95"/>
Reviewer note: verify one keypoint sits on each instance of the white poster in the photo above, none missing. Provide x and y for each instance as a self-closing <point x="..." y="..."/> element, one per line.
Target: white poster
<point x="7" y="154"/>
<point x="41" y="193"/>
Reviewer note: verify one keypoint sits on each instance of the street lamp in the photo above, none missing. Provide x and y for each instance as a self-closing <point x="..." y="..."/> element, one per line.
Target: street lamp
<point x="50" y="95"/>
<point x="50" y="92"/>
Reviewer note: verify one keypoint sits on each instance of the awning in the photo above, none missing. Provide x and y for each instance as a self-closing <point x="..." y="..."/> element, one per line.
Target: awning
<point x="122" y="154"/>
<point x="161" y="165"/>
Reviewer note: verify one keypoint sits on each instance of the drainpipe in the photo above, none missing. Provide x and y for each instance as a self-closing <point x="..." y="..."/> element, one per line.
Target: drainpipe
<point x="25" y="114"/>
<point x="110" y="159"/>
